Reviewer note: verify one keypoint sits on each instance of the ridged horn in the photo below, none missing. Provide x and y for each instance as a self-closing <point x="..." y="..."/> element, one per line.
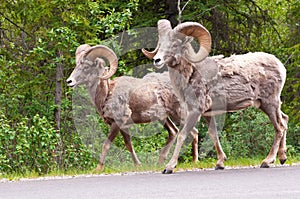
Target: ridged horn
<point x="150" y="54"/>
<point x="198" y="31"/>
<point x="80" y="52"/>
<point x="81" y="48"/>
<point x="163" y="27"/>
<point x="107" y="53"/>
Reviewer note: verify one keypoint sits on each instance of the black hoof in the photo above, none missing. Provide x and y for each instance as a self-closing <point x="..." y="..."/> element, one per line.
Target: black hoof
<point x="264" y="165"/>
<point x="282" y="161"/>
<point x="219" y="167"/>
<point x="167" y="171"/>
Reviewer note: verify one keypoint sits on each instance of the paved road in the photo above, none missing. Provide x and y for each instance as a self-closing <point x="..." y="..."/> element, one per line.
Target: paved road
<point x="279" y="182"/>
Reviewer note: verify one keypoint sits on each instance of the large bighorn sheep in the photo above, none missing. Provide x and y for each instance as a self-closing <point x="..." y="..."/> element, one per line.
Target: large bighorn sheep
<point x="214" y="85"/>
<point x="127" y="100"/>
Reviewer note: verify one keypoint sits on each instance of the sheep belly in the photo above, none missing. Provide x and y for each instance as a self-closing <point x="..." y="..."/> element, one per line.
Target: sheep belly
<point x="229" y="96"/>
<point x="144" y="104"/>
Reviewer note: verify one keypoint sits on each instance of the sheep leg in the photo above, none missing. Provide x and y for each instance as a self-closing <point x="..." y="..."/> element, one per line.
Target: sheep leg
<point x="282" y="147"/>
<point x="114" y="130"/>
<point x="195" y="154"/>
<point x="172" y="130"/>
<point x="128" y="144"/>
<point x="212" y="130"/>
<point x="280" y="126"/>
<point x="191" y="120"/>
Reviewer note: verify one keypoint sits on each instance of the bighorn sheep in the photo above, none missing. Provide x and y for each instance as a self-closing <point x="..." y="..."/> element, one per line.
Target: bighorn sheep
<point x="214" y="85"/>
<point x="127" y="100"/>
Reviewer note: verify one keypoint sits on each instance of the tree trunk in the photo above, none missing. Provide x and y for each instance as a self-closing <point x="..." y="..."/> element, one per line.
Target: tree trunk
<point x="57" y="113"/>
<point x="171" y="12"/>
<point x="58" y="92"/>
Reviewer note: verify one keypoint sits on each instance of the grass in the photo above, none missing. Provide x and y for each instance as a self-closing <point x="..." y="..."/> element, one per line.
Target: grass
<point x="235" y="162"/>
<point x="208" y="163"/>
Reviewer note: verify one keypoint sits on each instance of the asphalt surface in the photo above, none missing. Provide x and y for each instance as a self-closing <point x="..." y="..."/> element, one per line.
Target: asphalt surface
<point x="278" y="182"/>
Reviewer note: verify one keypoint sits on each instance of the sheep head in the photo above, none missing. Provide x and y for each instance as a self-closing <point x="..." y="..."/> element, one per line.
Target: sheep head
<point x="176" y="43"/>
<point x="90" y="64"/>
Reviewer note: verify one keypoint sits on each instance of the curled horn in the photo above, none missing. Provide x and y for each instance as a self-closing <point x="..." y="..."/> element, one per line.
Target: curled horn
<point x="105" y="52"/>
<point x="82" y="48"/>
<point x="163" y="27"/>
<point x="80" y="52"/>
<point x="198" y="31"/>
<point x="151" y="54"/>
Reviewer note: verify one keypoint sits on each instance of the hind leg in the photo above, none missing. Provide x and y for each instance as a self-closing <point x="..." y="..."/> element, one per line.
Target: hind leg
<point x="128" y="144"/>
<point x="172" y="130"/>
<point x="279" y="122"/>
<point x="282" y="147"/>
<point x="212" y="130"/>
<point x="195" y="152"/>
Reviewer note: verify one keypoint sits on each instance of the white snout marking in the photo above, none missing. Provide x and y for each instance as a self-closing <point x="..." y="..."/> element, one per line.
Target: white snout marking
<point x="158" y="61"/>
<point x="71" y="82"/>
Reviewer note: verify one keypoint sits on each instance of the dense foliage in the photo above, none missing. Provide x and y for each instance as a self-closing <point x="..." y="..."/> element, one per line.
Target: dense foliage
<point x="38" y="39"/>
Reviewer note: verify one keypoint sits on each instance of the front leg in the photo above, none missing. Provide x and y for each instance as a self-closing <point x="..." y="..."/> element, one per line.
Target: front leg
<point x="191" y="120"/>
<point x="114" y="130"/>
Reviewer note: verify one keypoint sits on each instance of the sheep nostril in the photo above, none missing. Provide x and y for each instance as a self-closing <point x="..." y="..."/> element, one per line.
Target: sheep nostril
<point x="69" y="81"/>
<point x="156" y="61"/>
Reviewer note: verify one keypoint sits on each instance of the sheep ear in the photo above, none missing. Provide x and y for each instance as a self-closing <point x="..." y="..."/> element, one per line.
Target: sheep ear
<point x="106" y="53"/>
<point x="198" y="31"/>
<point x="99" y="62"/>
<point x="105" y="71"/>
<point x="188" y="39"/>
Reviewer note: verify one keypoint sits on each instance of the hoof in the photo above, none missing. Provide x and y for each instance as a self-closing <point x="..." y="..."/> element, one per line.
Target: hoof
<point x="218" y="167"/>
<point x="167" y="171"/>
<point x="264" y="165"/>
<point x="282" y="161"/>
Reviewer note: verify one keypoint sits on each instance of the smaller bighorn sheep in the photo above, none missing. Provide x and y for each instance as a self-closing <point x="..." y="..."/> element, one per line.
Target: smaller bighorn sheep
<point x="123" y="101"/>
<point x="214" y="85"/>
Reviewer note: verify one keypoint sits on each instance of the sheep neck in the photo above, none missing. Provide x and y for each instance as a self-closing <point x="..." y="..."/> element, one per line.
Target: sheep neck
<point x="184" y="70"/>
<point x="101" y="95"/>
<point x="91" y="87"/>
<point x="189" y="85"/>
<point x="98" y="92"/>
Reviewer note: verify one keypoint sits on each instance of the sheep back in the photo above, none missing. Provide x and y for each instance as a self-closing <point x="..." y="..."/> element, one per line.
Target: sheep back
<point x="244" y="79"/>
<point x="134" y="100"/>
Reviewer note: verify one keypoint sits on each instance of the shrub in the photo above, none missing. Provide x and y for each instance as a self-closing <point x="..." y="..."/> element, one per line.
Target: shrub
<point x="33" y="145"/>
<point x="247" y="133"/>
<point x="27" y="145"/>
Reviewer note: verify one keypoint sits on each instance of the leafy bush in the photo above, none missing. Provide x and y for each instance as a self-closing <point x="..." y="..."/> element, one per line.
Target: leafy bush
<point x="247" y="133"/>
<point x="28" y="145"/>
<point x="35" y="145"/>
